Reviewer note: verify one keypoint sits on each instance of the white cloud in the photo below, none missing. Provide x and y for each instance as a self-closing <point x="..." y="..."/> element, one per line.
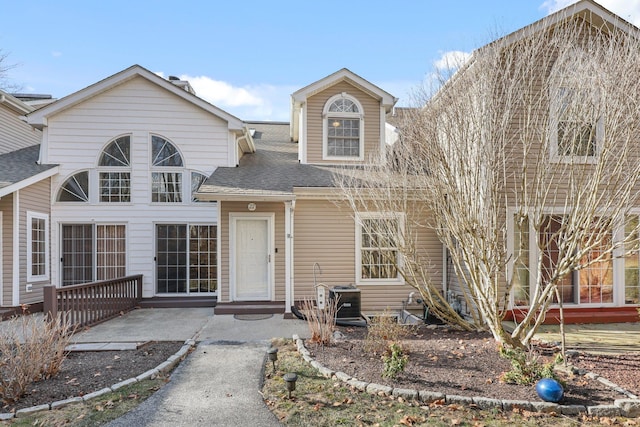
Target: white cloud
<point x="250" y="102"/>
<point x="626" y="9"/>
<point x="56" y="53"/>
<point x="451" y="61"/>
<point x="223" y="93"/>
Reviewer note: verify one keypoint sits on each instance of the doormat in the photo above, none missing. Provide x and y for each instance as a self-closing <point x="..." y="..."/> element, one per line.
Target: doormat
<point x="252" y="316"/>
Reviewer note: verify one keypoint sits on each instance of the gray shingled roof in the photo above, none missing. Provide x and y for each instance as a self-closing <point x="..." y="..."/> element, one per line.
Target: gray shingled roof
<point x="272" y="170"/>
<point x="20" y="165"/>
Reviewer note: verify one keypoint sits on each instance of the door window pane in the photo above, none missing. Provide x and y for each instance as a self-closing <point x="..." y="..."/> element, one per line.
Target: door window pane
<point x="77" y="254"/>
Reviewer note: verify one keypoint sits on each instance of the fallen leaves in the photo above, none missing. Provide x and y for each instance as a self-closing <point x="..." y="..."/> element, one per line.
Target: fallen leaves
<point x="411" y="420"/>
<point x="72" y="381"/>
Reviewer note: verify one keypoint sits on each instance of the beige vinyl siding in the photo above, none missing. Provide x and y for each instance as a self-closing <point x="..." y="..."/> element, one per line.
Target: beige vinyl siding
<point x="6" y="207"/>
<point x="15" y="133"/>
<point x="279" y="244"/>
<point x="314" y="125"/>
<point x="34" y="198"/>
<point x="326" y="235"/>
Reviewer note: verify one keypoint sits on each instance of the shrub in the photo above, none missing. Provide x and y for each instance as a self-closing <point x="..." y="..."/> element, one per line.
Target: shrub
<point x="526" y="368"/>
<point x="394" y="360"/>
<point x="322" y="323"/>
<point x="31" y="349"/>
<point x="382" y="331"/>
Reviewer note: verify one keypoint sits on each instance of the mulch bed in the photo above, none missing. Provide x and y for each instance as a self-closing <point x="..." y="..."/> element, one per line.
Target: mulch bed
<point x="89" y="371"/>
<point x="468" y="364"/>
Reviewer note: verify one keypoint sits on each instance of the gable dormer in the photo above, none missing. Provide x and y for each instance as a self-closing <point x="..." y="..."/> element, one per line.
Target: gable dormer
<point x="339" y="119"/>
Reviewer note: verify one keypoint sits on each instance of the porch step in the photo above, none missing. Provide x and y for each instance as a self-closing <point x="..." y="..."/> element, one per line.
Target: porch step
<point x="178" y="302"/>
<point x="250" y="307"/>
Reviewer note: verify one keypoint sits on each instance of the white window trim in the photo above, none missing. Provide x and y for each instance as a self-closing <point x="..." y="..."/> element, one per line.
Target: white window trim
<point x="557" y="82"/>
<point x="553" y="144"/>
<point x="325" y="127"/>
<point x="533" y="252"/>
<point x="111" y="169"/>
<point x="42" y="277"/>
<point x="185" y="190"/>
<point x="165" y="169"/>
<point x="358" y="226"/>
<point x="102" y="170"/>
<point x="90" y="190"/>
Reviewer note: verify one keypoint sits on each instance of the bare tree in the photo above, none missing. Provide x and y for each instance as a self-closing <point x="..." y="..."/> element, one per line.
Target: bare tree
<point x="527" y="161"/>
<point x="5" y="67"/>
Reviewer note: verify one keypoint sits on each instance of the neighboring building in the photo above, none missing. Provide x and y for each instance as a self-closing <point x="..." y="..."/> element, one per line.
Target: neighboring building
<point x="25" y="262"/>
<point x="569" y="139"/>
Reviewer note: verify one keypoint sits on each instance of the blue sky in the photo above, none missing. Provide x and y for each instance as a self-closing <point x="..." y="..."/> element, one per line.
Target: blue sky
<point x="247" y="56"/>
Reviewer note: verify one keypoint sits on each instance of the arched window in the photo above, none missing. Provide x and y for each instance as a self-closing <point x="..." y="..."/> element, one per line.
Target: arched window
<point x="166" y="175"/>
<point x="576" y="119"/>
<point x="115" y="172"/>
<point x="343" y="128"/>
<point x="75" y="188"/>
<point x="196" y="181"/>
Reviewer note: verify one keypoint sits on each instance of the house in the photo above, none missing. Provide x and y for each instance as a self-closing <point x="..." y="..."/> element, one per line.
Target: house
<point x="135" y="174"/>
<point x="559" y="132"/>
<point x="150" y="179"/>
<point x="131" y="150"/>
<point x="281" y="232"/>
<point x="24" y="209"/>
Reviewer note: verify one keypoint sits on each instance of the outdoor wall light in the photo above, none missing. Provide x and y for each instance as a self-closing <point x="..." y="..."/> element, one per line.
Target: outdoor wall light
<point x="290" y="378"/>
<point x="273" y="356"/>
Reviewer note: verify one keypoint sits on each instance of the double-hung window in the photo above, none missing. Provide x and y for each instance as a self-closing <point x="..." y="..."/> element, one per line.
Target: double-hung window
<point x="576" y="123"/>
<point x="378" y="256"/>
<point x="37" y="247"/>
<point x="343" y="128"/>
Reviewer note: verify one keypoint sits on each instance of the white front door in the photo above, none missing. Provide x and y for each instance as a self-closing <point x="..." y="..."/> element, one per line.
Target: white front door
<point x="251" y="258"/>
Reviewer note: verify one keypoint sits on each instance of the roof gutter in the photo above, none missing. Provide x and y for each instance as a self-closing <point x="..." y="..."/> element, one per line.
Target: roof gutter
<point x="219" y="197"/>
<point x="14" y="103"/>
<point x="28" y="181"/>
<point x="246" y="136"/>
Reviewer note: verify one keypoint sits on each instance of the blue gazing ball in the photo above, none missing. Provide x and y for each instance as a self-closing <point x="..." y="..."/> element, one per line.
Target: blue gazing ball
<point x="549" y="390"/>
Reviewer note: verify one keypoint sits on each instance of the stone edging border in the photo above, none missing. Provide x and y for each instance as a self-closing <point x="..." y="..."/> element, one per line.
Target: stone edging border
<point x="162" y="368"/>
<point x="621" y="407"/>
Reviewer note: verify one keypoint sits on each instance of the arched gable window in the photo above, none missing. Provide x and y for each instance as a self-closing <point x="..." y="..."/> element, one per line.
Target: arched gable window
<point x="75" y="188"/>
<point x="167" y="171"/>
<point x="575" y="115"/>
<point x="115" y="171"/>
<point x="343" y="128"/>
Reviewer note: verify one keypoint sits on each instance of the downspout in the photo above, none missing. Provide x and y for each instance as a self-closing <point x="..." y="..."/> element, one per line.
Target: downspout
<point x="219" y="250"/>
<point x="289" y="207"/>
<point x="445" y="270"/>
<point x="16" y="250"/>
